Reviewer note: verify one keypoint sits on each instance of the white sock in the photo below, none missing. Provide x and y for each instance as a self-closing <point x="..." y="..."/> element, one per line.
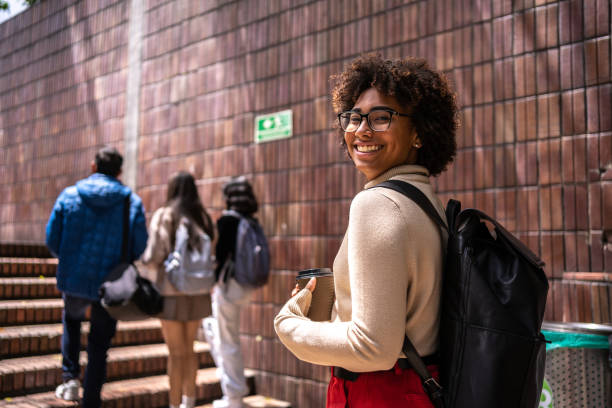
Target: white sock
<point x="188" y="402"/>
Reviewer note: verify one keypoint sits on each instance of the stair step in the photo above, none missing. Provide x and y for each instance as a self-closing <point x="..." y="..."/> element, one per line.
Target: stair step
<point x="28" y="266"/>
<point x="258" y="401"/>
<point x="38" y="339"/>
<point x="17" y="312"/>
<point x="140" y="392"/>
<point x="26" y="374"/>
<point x="28" y="288"/>
<point x="30" y="337"/>
<point x="147" y="392"/>
<point x="24" y="250"/>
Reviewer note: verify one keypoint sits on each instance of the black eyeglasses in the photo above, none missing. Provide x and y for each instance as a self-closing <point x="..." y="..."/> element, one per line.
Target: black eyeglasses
<point x="378" y="119"/>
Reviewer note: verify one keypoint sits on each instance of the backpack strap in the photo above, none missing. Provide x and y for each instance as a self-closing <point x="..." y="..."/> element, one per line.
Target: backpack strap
<point x="181" y="235"/>
<point x="453" y="208"/>
<point x="417" y="196"/>
<point x="430" y="385"/>
<point x="125" y="241"/>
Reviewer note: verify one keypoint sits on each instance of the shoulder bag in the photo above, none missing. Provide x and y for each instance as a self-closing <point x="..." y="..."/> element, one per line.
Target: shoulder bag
<point x="125" y="294"/>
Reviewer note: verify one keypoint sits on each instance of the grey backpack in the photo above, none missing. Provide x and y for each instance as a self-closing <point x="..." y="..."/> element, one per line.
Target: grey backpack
<point x="251" y="266"/>
<point x="190" y="270"/>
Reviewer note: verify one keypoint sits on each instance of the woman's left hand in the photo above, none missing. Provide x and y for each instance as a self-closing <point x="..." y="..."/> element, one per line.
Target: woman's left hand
<point x="312" y="283"/>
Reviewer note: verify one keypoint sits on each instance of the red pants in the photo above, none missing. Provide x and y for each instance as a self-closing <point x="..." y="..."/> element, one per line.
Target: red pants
<point x="393" y="388"/>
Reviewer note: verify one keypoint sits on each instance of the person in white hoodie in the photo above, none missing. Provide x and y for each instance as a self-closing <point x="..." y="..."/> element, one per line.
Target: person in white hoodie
<point x="222" y="329"/>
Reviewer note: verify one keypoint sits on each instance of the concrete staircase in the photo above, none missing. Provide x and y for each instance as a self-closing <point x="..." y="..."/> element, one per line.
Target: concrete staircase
<point x="30" y="334"/>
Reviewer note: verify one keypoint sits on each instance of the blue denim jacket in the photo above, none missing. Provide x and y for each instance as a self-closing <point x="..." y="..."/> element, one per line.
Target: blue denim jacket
<point x="85" y="232"/>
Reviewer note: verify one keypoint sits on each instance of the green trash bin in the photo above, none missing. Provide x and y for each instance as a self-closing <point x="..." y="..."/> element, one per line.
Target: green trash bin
<point x="578" y="366"/>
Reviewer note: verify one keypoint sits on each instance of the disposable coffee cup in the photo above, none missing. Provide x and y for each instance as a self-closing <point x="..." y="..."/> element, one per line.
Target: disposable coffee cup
<point x="323" y="295"/>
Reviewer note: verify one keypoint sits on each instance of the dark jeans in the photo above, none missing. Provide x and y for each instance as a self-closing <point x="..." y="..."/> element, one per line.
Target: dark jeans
<point x="101" y="331"/>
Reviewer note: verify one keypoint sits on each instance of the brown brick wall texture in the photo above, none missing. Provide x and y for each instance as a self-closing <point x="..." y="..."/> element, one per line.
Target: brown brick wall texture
<point x="535" y="144"/>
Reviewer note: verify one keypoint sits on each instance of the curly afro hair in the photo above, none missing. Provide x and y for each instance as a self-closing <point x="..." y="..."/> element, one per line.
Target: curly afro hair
<point x="425" y="93"/>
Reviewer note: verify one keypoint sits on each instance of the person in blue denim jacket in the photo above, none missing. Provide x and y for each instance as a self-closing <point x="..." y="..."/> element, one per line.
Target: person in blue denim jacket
<point x="85" y="232"/>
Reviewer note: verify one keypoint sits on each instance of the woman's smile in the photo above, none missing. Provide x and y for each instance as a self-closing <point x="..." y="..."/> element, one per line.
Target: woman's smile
<point x="368" y="148"/>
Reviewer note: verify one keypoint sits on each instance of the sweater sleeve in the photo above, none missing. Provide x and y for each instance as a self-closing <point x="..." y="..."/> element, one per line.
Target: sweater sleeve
<point x="159" y="242"/>
<point x="378" y="277"/>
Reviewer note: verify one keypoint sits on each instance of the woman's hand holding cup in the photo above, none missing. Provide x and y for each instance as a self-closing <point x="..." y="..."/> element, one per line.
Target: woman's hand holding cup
<point x="320" y="282"/>
<point x="312" y="283"/>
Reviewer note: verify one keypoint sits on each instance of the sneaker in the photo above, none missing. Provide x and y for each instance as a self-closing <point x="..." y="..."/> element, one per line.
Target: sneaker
<point x="68" y="391"/>
<point x="228" y="403"/>
<point x="187" y="402"/>
<point x="200" y="336"/>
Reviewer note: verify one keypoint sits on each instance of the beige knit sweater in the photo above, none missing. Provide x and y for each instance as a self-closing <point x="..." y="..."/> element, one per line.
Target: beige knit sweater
<point x="387" y="277"/>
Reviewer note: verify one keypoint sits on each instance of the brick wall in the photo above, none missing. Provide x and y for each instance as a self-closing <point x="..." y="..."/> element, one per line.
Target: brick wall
<point x="62" y="84"/>
<point x="535" y="146"/>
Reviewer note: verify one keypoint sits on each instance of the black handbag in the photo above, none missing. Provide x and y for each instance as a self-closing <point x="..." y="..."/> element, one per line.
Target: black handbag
<point x="125" y="294"/>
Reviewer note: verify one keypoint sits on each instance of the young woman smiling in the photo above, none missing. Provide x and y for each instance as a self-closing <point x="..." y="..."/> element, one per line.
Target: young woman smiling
<point x="397" y="120"/>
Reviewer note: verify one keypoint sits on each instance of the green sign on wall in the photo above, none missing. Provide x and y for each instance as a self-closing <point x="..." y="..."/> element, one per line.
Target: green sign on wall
<point x="273" y="126"/>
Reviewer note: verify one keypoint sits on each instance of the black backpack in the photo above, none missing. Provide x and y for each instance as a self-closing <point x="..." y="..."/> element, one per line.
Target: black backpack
<point x="251" y="267"/>
<point x="492" y="352"/>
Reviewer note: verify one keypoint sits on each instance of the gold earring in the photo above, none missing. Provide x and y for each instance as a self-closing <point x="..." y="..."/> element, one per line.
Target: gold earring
<point x="417" y="145"/>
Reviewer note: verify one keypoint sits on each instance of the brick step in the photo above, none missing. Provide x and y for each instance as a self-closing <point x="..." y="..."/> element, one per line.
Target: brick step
<point x="19" y="376"/>
<point x="28" y="288"/>
<point x="25" y="250"/>
<point x="140" y="392"/>
<point x="258" y="401"/>
<point x="39" y="339"/>
<point x="27" y="267"/>
<point x="18" y="312"/>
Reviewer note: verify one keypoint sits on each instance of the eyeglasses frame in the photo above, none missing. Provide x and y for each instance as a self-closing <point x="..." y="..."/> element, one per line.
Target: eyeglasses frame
<point x="367" y="116"/>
